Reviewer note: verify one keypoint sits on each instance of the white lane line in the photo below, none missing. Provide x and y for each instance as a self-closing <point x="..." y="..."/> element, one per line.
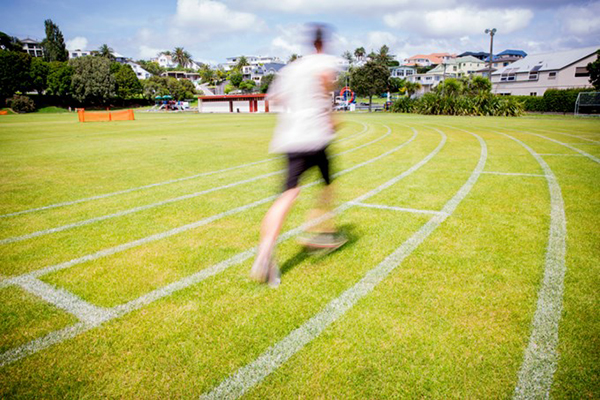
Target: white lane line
<point x="540" y="358"/>
<point x="560" y="155"/>
<point x="561" y="133"/>
<point x="583" y="153"/>
<point x="123" y="213"/>
<point x="253" y="373"/>
<point x="187" y="227"/>
<point x="384" y="207"/>
<point x="106" y="195"/>
<point x="511" y="173"/>
<point x="65" y="300"/>
<point x="59" y="336"/>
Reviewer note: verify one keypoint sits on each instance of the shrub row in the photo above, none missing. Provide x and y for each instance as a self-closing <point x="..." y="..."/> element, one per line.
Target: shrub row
<point x="478" y="105"/>
<point x="553" y="100"/>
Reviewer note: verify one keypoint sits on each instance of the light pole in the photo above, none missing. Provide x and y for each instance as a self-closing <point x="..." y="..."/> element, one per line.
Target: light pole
<point x="492" y="32"/>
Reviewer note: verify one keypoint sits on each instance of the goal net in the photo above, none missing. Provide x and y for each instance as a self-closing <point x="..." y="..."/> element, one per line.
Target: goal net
<point x="587" y="103"/>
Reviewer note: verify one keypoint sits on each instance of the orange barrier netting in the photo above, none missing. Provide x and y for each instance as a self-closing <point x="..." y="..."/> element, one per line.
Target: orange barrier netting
<point x="125" y="115"/>
<point x="3" y="112"/>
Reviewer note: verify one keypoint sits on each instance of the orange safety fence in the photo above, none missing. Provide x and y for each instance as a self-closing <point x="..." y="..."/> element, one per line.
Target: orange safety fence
<point x="3" y="112"/>
<point x="124" y="115"/>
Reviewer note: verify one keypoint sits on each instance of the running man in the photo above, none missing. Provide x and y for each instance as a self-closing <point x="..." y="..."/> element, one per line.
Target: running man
<point x="304" y="130"/>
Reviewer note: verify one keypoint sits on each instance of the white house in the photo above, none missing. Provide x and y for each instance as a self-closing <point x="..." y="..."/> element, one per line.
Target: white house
<point x="402" y="72"/>
<point x="32" y="47"/>
<point x="428" y="81"/>
<point x="536" y="73"/>
<point x="253" y="61"/>
<point x="263" y="70"/>
<point x="140" y="72"/>
<point x="458" y="67"/>
<point x="165" y="61"/>
<point x="79" y="53"/>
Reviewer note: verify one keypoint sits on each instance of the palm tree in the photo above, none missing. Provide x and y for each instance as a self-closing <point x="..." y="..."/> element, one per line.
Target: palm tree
<point x="359" y="53"/>
<point x="412" y="87"/>
<point x="242" y="62"/>
<point x="293" y="58"/>
<point x="181" y="56"/>
<point x="348" y="56"/>
<point x="105" y="51"/>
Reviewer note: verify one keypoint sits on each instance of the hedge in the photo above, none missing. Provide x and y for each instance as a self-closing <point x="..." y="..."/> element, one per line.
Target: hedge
<point x="553" y="100"/>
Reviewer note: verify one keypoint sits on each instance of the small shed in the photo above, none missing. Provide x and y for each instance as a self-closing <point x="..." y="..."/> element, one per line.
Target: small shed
<point x="234" y="103"/>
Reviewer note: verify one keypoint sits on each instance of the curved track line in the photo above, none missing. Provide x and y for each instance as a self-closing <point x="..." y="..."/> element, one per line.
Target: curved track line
<point x="175" y="231"/>
<point x="566" y="134"/>
<point x="583" y="153"/>
<point x="152" y="185"/>
<point x="540" y="358"/>
<point x="133" y="210"/>
<point x="252" y="374"/>
<point x="72" y="331"/>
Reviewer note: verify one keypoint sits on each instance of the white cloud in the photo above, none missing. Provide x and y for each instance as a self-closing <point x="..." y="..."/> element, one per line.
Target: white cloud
<point x="77" y="43"/>
<point x="583" y="20"/>
<point x="460" y="21"/>
<point x="211" y="16"/>
<point x="147" y="52"/>
<point x="348" y="6"/>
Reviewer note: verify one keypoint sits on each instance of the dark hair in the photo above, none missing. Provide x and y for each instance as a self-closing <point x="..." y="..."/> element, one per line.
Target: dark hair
<point x="318" y="42"/>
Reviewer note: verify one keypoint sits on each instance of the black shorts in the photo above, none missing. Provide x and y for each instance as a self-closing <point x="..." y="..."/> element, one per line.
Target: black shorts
<point x="298" y="163"/>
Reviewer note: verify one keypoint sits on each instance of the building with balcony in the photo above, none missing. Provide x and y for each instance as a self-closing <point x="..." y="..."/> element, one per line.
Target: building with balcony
<point x="33" y="47"/>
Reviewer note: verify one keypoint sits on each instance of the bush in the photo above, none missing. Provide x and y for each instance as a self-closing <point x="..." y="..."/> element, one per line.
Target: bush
<point x="403" y="105"/>
<point x="562" y="100"/>
<point x="530" y="103"/>
<point x="21" y="104"/>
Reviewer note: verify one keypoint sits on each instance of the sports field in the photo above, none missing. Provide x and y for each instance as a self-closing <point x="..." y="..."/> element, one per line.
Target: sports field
<point x="472" y="269"/>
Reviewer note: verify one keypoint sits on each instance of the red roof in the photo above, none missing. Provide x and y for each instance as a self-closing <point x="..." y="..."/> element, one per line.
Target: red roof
<point x="234" y="97"/>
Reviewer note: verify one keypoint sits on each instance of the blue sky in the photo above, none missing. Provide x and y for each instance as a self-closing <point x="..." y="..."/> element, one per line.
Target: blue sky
<point x="212" y="30"/>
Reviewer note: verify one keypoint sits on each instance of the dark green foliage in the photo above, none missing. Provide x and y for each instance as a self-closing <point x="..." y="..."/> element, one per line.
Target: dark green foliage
<point x="160" y="86"/>
<point x="21" y="104"/>
<point x="266" y="82"/>
<point x="403" y="105"/>
<point x="236" y="78"/>
<point x="151" y="66"/>
<point x="14" y="73"/>
<point x="92" y="81"/>
<point x="106" y="52"/>
<point x="531" y="103"/>
<point x="562" y="100"/>
<point x="247" y="86"/>
<point x="59" y="78"/>
<point x="10" y="43"/>
<point x="54" y="43"/>
<point x="127" y="83"/>
<point x="38" y="74"/>
<point x="468" y="96"/>
<point x="423" y="70"/>
<point x="371" y="79"/>
<point x="594" y="68"/>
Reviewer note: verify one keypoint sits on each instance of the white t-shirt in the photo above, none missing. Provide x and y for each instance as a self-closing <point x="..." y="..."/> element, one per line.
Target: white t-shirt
<point x="304" y="123"/>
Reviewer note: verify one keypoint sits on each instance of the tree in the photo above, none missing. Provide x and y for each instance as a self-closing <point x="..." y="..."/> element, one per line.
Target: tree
<point x="412" y="88"/>
<point x="127" y="83"/>
<point x="155" y="86"/>
<point x="207" y="74"/>
<point x="59" y="78"/>
<point x="15" y="76"/>
<point x="151" y="66"/>
<point x="106" y="52"/>
<point x="265" y="82"/>
<point x="370" y="79"/>
<point x="293" y="58"/>
<point x="54" y="43"/>
<point x="10" y="43"/>
<point x="247" y="85"/>
<point x="348" y="56"/>
<point x="38" y="73"/>
<point x="236" y="78"/>
<point x="92" y="81"/>
<point x="182" y="57"/>
<point x="594" y="69"/>
<point x="360" y="53"/>
<point x="242" y="62"/>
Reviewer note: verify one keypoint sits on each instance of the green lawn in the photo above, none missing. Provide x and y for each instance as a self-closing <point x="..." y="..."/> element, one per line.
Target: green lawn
<point x="125" y="249"/>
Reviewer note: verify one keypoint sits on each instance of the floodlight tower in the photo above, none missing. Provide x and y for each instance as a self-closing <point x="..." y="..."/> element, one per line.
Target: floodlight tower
<point x="491" y="32"/>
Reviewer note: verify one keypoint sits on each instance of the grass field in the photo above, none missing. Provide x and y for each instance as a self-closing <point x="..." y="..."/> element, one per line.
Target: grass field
<point x="472" y="269"/>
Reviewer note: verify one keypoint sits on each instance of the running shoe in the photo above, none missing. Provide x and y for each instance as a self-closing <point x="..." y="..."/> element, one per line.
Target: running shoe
<point x="260" y="268"/>
<point x="325" y="240"/>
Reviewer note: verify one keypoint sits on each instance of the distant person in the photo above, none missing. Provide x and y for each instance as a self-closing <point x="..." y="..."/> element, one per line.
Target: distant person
<point x="304" y="130"/>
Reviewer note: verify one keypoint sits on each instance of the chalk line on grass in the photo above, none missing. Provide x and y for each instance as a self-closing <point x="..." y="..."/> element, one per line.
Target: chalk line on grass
<point x="540" y="359"/>
<point x="560" y="155"/>
<point x="384" y="207"/>
<point x="59" y="336"/>
<point x="511" y="173"/>
<point x="162" y="235"/>
<point x="565" y="134"/>
<point x="167" y="182"/>
<point x="133" y="210"/>
<point x="255" y="372"/>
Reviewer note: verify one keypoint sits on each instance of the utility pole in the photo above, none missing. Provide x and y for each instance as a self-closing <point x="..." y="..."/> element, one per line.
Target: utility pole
<point x="492" y="32"/>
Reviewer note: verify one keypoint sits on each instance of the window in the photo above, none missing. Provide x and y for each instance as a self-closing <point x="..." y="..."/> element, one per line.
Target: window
<point x="409" y="72"/>
<point x="533" y="93"/>
<point x="533" y="74"/>
<point x="552" y="75"/>
<point x="73" y="54"/>
<point x="581" y="71"/>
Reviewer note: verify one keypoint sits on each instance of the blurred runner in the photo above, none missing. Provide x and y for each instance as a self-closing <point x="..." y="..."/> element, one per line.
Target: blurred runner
<point x="305" y="128"/>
